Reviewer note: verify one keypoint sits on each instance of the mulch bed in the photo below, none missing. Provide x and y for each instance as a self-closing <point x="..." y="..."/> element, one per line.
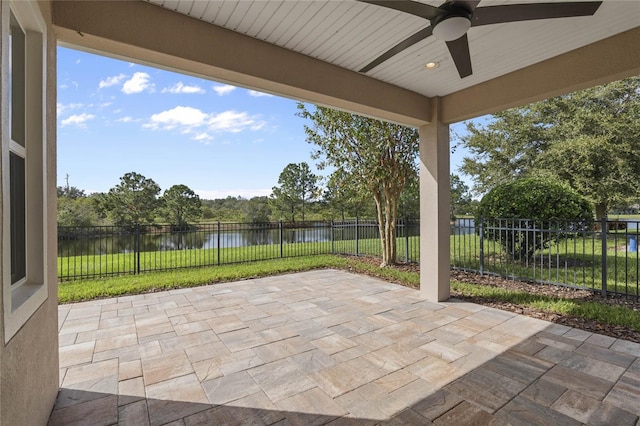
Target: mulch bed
<point x="541" y="289"/>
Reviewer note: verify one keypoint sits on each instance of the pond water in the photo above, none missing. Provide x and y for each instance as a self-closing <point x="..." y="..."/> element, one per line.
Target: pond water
<point x="207" y="239"/>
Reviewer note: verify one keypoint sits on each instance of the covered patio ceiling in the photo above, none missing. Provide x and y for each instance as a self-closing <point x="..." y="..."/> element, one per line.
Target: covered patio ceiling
<point x="316" y="50"/>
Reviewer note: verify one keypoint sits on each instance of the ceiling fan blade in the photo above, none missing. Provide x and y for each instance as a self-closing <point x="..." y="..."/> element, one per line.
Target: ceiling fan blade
<point x="412" y="7"/>
<point x="459" y="50"/>
<point x="528" y="12"/>
<point x="408" y="42"/>
<point x="469" y="5"/>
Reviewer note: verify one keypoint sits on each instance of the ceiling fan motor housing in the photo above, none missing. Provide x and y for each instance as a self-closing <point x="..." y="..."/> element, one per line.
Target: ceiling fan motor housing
<point x="451" y="25"/>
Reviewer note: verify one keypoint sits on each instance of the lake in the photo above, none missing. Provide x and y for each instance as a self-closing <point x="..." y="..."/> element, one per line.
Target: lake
<point x="241" y="235"/>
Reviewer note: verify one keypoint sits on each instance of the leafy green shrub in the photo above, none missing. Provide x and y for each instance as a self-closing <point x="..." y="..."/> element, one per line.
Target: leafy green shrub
<point x="529" y="214"/>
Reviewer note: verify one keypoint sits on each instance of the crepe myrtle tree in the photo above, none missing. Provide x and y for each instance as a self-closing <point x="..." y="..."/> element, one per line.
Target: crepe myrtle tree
<point x="344" y="198"/>
<point x="378" y="156"/>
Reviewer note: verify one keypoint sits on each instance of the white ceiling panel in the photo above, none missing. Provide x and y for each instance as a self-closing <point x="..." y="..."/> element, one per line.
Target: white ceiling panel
<point x="351" y="34"/>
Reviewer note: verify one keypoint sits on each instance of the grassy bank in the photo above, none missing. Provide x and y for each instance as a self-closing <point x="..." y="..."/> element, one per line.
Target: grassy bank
<point x="74" y="291"/>
<point x="575" y="262"/>
<point x="124" y="263"/>
<point x="155" y="281"/>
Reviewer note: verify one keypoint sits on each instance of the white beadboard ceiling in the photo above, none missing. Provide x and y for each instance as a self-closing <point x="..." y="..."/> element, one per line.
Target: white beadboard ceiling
<point x="350" y="34"/>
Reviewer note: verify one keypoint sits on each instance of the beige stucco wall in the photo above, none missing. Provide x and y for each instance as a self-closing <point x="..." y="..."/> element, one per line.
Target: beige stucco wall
<point x="29" y="361"/>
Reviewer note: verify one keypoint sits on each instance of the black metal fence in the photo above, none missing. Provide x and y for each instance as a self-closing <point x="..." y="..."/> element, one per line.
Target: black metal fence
<point x="600" y="256"/>
<point x="561" y="253"/>
<point x="100" y="251"/>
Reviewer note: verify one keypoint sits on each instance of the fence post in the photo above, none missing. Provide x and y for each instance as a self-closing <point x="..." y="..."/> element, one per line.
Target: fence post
<point x="603" y="256"/>
<point x="332" y="238"/>
<point x="481" y="230"/>
<point x="406" y="241"/>
<point x="218" y="245"/>
<point x="137" y="247"/>
<point x="281" y="239"/>
<point x="357" y="242"/>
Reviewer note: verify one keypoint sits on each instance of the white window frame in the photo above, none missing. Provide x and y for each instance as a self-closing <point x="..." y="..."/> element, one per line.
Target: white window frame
<point x="22" y="299"/>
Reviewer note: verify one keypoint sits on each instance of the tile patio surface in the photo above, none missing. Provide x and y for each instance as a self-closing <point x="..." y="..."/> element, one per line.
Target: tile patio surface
<point x="330" y="347"/>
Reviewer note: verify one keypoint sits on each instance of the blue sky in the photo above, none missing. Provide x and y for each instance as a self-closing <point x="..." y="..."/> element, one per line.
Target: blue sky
<point x="116" y="117"/>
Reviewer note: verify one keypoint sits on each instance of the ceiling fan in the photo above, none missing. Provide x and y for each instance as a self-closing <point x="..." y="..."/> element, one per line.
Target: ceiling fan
<point x="450" y="22"/>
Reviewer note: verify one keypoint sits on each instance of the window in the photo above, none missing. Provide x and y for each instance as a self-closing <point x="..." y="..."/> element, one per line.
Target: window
<point x="17" y="150"/>
<point x="24" y="161"/>
<point x="17" y="219"/>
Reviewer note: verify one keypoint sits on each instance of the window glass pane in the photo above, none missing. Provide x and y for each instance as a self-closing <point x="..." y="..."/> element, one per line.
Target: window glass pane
<point x="17" y="218"/>
<point x="16" y="84"/>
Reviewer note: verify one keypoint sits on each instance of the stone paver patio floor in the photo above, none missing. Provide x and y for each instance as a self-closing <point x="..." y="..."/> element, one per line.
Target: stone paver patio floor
<point x="330" y="347"/>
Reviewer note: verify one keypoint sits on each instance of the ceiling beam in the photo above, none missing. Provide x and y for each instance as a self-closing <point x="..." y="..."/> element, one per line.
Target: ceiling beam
<point x="145" y="33"/>
<point x="611" y="59"/>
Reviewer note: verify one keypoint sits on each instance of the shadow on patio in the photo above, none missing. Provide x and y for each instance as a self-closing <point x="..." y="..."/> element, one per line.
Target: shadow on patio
<point x="329" y="347"/>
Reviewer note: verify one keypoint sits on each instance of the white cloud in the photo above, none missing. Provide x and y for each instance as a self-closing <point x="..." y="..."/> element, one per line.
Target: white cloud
<point x="200" y="125"/>
<point x="211" y="194"/>
<point x="257" y="94"/>
<point x="185" y="117"/>
<point x="202" y="137"/>
<point x="111" y="81"/>
<point x="127" y="119"/>
<point x="181" y="88"/>
<point x="78" y="119"/>
<point x="63" y="108"/>
<point x="233" y="122"/>
<point x="223" y="89"/>
<point x="138" y="83"/>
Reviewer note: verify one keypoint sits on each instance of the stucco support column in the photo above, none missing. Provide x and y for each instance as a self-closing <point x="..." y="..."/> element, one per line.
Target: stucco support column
<point x="434" y="207"/>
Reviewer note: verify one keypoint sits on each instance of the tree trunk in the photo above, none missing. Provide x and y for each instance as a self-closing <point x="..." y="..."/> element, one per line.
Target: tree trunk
<point x="377" y="196"/>
<point x="391" y="215"/>
<point x="601" y="211"/>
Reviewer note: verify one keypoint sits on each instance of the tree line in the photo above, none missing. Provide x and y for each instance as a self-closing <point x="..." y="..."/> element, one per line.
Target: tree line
<point x="587" y="140"/>
<point x="137" y="199"/>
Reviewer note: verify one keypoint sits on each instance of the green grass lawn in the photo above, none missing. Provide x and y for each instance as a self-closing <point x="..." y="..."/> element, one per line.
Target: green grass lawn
<point x="127" y="263"/>
<point x="75" y="291"/>
<point x="575" y="262"/>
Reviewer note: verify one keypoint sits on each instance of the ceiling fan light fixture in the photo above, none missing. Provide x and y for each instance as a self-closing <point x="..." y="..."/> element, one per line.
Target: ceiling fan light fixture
<point x="451" y="27"/>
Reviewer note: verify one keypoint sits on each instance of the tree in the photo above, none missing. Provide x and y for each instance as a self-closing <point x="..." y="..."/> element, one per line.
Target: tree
<point x="343" y="197"/>
<point x="587" y="139"/>
<point x="298" y="186"/>
<point x="70" y="192"/>
<point x="409" y="202"/>
<point x="257" y="210"/>
<point x="460" y="196"/>
<point x="513" y="214"/>
<point x="76" y="212"/>
<point x="375" y="155"/>
<point x="504" y="149"/>
<point x="180" y="205"/>
<point x="133" y="201"/>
